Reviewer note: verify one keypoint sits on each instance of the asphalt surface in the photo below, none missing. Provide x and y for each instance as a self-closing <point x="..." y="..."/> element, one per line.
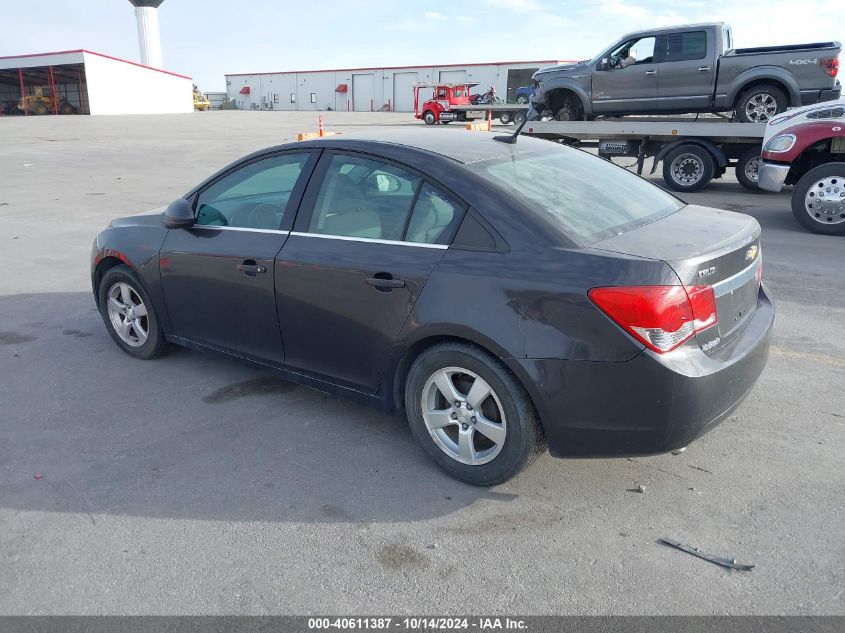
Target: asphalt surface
<point x="192" y="484"/>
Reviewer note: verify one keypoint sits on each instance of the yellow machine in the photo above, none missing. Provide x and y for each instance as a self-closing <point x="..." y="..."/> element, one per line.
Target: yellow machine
<point x="200" y="102"/>
<point x="36" y="103"/>
<point x="42" y="103"/>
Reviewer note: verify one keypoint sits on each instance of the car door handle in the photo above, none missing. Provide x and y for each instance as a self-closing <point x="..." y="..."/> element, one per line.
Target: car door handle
<point x="650" y="73"/>
<point x="384" y="282"/>
<point x="249" y="267"/>
<point x="704" y="69"/>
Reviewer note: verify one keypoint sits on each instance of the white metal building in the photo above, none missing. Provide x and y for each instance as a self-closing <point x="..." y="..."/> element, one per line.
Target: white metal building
<point x="368" y="89"/>
<point x="85" y="82"/>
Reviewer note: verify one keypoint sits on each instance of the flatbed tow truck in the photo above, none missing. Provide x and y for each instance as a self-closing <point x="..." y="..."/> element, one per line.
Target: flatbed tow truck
<point x="693" y="150"/>
<point x="450" y="102"/>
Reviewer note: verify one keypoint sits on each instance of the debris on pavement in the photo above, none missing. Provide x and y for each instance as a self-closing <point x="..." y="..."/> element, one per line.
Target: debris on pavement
<point x="640" y="488"/>
<point x="729" y="563"/>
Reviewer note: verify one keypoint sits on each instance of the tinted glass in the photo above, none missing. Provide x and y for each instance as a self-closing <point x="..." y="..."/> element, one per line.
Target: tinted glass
<point x="587" y="197"/>
<point x="689" y="45"/>
<point x="360" y="197"/>
<point x="255" y="196"/>
<point x="433" y="219"/>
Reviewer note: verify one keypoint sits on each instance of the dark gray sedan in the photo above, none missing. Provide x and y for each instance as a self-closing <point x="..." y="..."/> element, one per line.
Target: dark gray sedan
<point x="501" y="296"/>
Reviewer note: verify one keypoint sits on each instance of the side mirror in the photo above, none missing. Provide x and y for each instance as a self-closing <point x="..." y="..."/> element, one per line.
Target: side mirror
<point x="604" y="64"/>
<point x="179" y="215"/>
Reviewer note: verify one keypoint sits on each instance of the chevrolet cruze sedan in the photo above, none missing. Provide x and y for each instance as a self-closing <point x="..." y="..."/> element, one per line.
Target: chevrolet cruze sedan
<point x="503" y="297"/>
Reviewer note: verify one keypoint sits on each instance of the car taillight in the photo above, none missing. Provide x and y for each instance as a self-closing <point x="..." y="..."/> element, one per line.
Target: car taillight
<point x="830" y="65"/>
<point x="660" y="317"/>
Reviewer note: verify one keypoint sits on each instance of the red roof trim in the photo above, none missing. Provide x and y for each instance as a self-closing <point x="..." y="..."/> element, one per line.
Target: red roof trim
<point x="337" y="70"/>
<point x="85" y="50"/>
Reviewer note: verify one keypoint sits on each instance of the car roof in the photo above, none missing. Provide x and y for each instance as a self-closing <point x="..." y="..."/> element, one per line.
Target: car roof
<point x="458" y="145"/>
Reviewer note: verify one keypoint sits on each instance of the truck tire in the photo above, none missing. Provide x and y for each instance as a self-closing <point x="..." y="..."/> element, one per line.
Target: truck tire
<point x="688" y="168"/>
<point x="760" y="103"/>
<point x="505" y="118"/>
<point x="747" y="168"/>
<point x="429" y="117"/>
<point x="519" y="118"/>
<point x="818" y="200"/>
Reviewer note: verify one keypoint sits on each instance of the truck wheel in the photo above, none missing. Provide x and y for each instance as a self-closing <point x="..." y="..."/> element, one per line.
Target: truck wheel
<point x="747" y="168"/>
<point x="818" y="201"/>
<point x="688" y="168"/>
<point x="522" y="99"/>
<point x="760" y="103"/>
<point x="519" y="118"/>
<point x="505" y="118"/>
<point x="429" y="118"/>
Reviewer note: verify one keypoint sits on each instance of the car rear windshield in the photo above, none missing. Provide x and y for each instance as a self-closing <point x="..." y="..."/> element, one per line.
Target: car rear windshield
<point x="587" y="197"/>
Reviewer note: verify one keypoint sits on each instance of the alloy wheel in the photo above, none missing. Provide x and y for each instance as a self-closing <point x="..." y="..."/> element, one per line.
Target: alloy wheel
<point x="464" y="416"/>
<point x="825" y="200"/>
<point x="761" y="107"/>
<point x="128" y="314"/>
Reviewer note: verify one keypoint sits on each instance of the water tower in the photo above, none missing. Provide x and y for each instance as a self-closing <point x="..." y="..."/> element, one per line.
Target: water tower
<point x="149" y="40"/>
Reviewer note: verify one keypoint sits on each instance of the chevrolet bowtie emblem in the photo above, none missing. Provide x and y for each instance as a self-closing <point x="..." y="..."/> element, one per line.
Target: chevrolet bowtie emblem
<point x="751" y="253"/>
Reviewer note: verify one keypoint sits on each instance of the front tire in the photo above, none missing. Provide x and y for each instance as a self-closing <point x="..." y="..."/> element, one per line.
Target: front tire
<point x="818" y="201"/>
<point x="129" y="315"/>
<point x="688" y="168"/>
<point x="760" y="103"/>
<point x="471" y="415"/>
<point x="429" y="118"/>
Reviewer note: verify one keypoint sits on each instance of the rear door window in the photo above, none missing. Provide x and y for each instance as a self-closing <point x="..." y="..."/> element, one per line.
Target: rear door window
<point x="687" y="45"/>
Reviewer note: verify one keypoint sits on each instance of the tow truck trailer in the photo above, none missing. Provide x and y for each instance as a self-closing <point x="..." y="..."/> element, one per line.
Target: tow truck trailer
<point x="450" y="102"/>
<point x="693" y="150"/>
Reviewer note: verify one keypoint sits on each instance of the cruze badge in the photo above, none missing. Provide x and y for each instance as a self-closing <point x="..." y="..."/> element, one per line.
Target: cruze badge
<point x="751" y="253"/>
<point x="706" y="272"/>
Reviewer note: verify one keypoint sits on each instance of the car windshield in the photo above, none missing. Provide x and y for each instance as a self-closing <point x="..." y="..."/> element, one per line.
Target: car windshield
<point x="587" y="197"/>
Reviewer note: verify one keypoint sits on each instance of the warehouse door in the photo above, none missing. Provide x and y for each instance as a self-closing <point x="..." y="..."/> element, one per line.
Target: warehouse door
<point x="363" y="94"/>
<point x="453" y="76"/>
<point x="403" y="91"/>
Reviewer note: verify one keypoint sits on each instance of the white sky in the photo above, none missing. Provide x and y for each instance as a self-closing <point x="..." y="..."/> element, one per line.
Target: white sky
<point x="208" y="38"/>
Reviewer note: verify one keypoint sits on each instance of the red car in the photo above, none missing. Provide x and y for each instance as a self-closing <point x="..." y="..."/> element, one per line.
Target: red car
<point x="806" y="148"/>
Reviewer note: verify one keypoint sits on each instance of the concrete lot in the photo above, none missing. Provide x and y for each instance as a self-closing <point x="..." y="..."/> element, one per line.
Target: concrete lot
<point x="195" y="485"/>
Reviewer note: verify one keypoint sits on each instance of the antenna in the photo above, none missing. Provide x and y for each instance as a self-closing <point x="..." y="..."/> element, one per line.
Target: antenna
<point x="511" y="138"/>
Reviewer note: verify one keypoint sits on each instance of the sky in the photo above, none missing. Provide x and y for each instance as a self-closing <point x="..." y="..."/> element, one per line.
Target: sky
<point x="208" y="38"/>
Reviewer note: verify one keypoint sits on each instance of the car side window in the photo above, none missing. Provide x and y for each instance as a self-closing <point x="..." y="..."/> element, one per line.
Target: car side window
<point x="360" y="197"/>
<point x="254" y="196"/>
<point x="685" y="46"/>
<point x="639" y="51"/>
<point x="433" y="219"/>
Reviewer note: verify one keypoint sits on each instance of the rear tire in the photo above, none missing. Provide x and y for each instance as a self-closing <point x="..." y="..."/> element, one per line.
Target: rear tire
<point x="523" y="99"/>
<point x="485" y="450"/>
<point x="688" y="168"/>
<point x="747" y="169"/>
<point x="505" y="118"/>
<point x="760" y="103"/>
<point x="137" y="331"/>
<point x="519" y="118"/>
<point x="818" y="201"/>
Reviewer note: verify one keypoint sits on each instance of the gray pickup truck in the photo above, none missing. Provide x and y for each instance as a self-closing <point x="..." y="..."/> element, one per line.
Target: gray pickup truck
<point x="687" y="69"/>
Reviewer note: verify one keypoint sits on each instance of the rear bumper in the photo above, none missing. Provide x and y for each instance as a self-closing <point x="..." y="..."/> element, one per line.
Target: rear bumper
<point x="816" y="96"/>
<point x="771" y="176"/>
<point x="650" y="404"/>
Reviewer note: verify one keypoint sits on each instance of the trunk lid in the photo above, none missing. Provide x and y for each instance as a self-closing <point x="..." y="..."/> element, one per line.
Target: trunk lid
<point x="704" y="246"/>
